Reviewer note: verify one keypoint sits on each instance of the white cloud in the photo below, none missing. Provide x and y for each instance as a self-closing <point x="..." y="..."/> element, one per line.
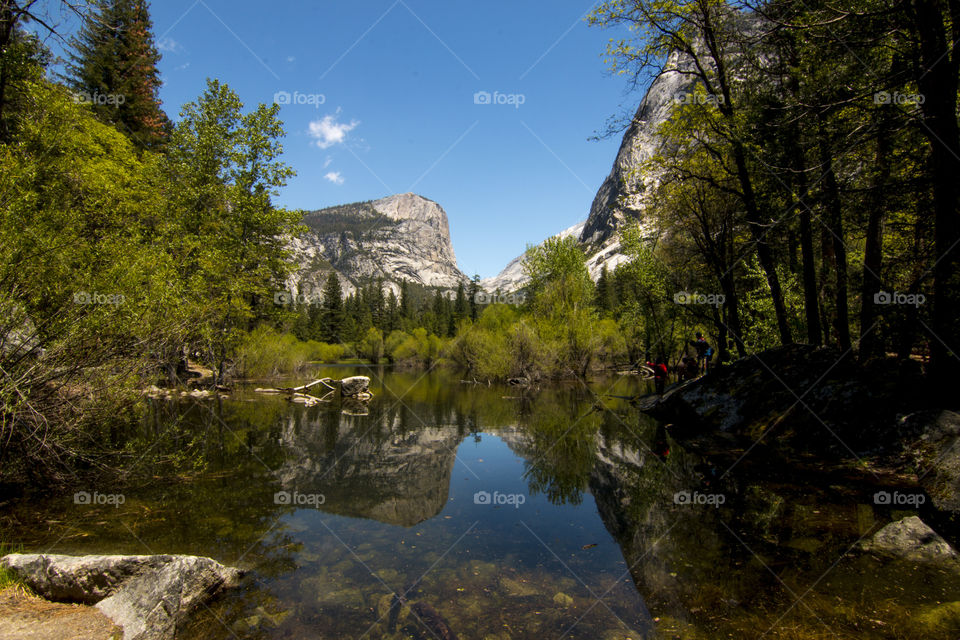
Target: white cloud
<point x="169" y="45"/>
<point x="329" y="132"/>
<point x="327" y="162"/>
<point x="291" y="58"/>
<point x="334" y="177"/>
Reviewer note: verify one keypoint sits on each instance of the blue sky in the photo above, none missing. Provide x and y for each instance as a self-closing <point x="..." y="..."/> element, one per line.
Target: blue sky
<point x="381" y="99"/>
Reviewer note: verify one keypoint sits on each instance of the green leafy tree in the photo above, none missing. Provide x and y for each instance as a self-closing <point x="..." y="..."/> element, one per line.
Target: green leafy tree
<point x="227" y="237"/>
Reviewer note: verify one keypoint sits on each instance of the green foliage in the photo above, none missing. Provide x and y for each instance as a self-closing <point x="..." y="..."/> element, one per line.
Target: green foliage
<point x="371" y="347"/>
<point x="419" y="348"/>
<point x="266" y="352"/>
<point x="227" y="238"/>
<point x="559" y="281"/>
<point x="113" y="68"/>
<point x="8" y="577"/>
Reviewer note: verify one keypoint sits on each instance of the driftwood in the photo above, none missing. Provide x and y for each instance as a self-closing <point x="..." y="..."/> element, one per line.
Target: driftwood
<point x="300" y="395"/>
<point x="296" y="390"/>
<point x="309" y="400"/>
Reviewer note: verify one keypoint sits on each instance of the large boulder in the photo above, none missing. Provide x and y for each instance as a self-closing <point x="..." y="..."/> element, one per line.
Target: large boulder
<point x="150" y="605"/>
<point x="354" y="386"/>
<point x="910" y="539"/>
<point x="83" y="579"/>
<point x="799" y="397"/>
<point x="936" y="455"/>
<point x="149" y="596"/>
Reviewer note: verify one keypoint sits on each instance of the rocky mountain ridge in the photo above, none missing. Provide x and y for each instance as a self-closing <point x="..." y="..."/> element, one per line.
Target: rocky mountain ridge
<point x="400" y="237"/>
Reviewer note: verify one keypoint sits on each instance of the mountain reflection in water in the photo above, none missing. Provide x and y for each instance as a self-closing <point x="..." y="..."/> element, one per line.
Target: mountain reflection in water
<point x="557" y="513"/>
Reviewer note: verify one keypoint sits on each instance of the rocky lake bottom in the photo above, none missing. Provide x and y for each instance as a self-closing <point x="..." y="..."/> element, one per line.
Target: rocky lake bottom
<point x="493" y="513"/>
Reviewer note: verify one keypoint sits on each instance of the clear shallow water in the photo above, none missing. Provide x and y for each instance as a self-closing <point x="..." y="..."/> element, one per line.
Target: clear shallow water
<point x="549" y="514"/>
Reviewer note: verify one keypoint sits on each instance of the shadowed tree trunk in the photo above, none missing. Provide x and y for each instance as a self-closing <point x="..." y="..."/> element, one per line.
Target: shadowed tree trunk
<point x="937" y="81"/>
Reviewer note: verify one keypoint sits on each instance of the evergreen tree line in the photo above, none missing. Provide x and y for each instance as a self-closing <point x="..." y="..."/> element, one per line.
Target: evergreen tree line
<point x="334" y="318"/>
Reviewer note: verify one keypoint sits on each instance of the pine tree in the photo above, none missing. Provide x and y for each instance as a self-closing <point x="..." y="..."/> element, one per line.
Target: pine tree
<point x="378" y="305"/>
<point x="441" y="314"/>
<point x="114" y="68"/>
<point x="473" y="291"/>
<point x="332" y="310"/>
<point x="461" y="309"/>
<point x="606" y="291"/>
<point x="393" y="314"/>
<point x="404" y="300"/>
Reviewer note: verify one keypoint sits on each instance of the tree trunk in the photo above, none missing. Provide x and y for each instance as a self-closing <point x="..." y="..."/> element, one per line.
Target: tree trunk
<point x="811" y="301"/>
<point x="871" y="340"/>
<point x="757" y="229"/>
<point x="834" y="210"/>
<point x="938" y="84"/>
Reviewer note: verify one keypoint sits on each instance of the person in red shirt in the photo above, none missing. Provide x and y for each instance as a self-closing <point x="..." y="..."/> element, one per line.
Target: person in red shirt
<point x="659" y="374"/>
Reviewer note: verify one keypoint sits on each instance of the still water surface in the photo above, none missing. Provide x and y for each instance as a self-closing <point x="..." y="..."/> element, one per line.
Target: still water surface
<point x="499" y="514"/>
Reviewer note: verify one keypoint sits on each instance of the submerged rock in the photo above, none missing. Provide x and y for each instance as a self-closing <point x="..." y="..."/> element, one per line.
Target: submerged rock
<point x="517" y="589"/>
<point x="562" y="600"/>
<point x="147" y="595"/>
<point x="910" y="539"/>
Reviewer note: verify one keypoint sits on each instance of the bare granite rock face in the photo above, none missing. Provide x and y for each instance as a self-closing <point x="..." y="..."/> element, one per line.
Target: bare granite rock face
<point x="149" y="596"/>
<point x="151" y="605"/>
<point x="624" y="194"/>
<point x="403" y="236"/>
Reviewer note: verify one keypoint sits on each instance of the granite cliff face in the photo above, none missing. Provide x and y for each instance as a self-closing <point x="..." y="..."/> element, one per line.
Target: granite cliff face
<point x="624" y="194"/>
<point x="400" y="237"/>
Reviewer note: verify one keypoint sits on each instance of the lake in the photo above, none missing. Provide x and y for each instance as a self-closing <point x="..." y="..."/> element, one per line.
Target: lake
<point x="506" y="513"/>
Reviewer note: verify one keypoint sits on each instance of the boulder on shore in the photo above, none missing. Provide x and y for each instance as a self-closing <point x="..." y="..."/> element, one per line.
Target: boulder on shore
<point x="798" y="397"/>
<point x="149" y="596"/>
<point x="354" y="386"/>
<point x="936" y="455"/>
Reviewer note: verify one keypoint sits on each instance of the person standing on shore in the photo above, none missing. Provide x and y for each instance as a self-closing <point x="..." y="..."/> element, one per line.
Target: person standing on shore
<point x="701" y="346"/>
